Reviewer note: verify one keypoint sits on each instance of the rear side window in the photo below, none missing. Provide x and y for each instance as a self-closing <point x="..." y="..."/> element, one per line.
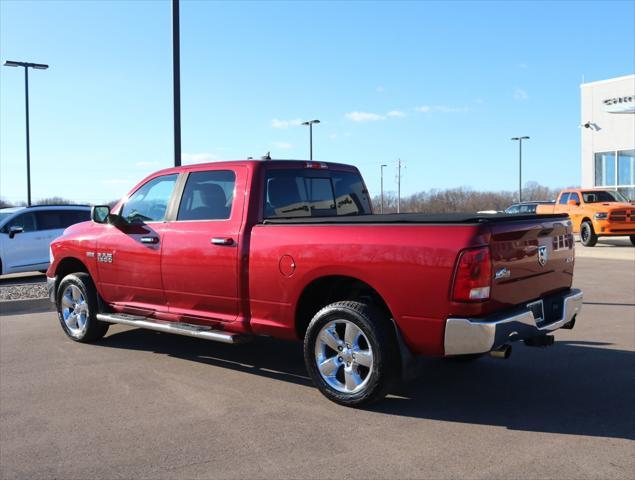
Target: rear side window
<point x="296" y="193"/>
<point x="208" y="196"/>
<point x="564" y="198"/>
<point x="60" y="219"/>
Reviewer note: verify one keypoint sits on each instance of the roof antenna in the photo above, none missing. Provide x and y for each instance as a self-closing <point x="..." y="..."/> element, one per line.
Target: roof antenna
<point x="266" y="157"/>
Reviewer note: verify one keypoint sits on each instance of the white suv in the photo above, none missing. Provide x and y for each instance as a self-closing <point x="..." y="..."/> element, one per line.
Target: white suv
<point x="26" y="232"/>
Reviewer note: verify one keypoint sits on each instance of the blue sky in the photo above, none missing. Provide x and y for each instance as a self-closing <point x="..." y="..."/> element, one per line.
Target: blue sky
<point x="442" y="86"/>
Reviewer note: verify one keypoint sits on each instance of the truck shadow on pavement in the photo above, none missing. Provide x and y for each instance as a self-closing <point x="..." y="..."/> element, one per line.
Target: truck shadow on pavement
<point x="574" y="388"/>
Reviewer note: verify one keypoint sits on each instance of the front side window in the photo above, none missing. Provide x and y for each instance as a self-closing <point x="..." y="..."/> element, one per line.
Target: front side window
<point x="150" y="202"/>
<point x="574" y="196"/>
<point x="26" y="221"/>
<point x="208" y="196"/>
<point x="564" y="198"/>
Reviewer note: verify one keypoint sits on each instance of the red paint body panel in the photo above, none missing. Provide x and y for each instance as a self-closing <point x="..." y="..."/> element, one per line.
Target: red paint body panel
<point x="254" y="284"/>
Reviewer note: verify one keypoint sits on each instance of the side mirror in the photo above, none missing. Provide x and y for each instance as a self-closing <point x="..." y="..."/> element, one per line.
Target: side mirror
<point x="100" y="213"/>
<point x="573" y="203"/>
<point x="13" y="231"/>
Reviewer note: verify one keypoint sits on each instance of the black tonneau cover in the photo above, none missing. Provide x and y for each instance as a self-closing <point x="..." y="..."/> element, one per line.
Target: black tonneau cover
<point x="406" y="218"/>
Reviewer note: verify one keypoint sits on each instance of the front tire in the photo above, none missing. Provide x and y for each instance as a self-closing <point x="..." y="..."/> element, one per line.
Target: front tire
<point x="77" y="308"/>
<point x="588" y="238"/>
<point x="350" y="353"/>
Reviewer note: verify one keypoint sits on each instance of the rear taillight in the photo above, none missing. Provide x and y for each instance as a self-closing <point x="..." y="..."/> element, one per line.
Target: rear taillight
<point x="473" y="276"/>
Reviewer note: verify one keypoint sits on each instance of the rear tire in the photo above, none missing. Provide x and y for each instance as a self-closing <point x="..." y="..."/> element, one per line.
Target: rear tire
<point x="351" y="353"/>
<point x="632" y="237"/>
<point x="77" y="307"/>
<point x="588" y="238"/>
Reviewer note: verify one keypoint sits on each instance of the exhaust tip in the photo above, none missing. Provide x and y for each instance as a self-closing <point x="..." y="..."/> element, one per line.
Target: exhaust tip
<point x="503" y="352"/>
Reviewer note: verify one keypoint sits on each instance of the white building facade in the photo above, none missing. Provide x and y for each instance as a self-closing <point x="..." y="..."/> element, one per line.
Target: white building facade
<point x="608" y="134"/>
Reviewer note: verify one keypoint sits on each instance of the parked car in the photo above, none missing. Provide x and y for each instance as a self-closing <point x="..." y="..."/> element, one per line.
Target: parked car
<point x="230" y="250"/>
<point x="526" y="207"/>
<point x="26" y="232"/>
<point x="595" y="213"/>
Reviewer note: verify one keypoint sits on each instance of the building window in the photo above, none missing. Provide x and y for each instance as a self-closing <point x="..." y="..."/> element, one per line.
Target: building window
<point x="626" y="167"/>
<point x="620" y="174"/>
<point x="605" y="169"/>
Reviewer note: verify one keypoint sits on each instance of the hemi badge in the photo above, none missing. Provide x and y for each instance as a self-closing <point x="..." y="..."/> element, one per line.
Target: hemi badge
<point x="502" y="273"/>
<point x="90" y="254"/>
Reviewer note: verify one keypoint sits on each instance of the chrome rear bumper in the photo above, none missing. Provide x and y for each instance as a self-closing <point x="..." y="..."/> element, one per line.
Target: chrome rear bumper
<point x="464" y="336"/>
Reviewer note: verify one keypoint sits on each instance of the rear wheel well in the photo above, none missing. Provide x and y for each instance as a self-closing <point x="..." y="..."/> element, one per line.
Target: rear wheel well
<point x="327" y="290"/>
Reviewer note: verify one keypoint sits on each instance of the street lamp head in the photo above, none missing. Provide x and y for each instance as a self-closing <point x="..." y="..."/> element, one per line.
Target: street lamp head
<point x="38" y="66"/>
<point x="383" y="165"/>
<point x="520" y="138"/>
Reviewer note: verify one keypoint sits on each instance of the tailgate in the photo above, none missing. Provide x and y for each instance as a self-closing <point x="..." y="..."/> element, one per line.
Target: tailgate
<point x="531" y="258"/>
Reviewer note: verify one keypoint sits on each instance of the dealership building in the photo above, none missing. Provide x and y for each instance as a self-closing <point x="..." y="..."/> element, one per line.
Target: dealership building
<point x="608" y="134"/>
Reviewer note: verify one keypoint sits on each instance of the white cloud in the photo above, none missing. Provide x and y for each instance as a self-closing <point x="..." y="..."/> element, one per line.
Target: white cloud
<point x="396" y="113"/>
<point x="146" y="164"/>
<point x="520" y="94"/>
<point x="379" y="89"/>
<point x="423" y="108"/>
<point x="199" y="157"/>
<point x="282" y="145"/>
<point x="275" y="123"/>
<point x="364" y="116"/>
<point x="522" y="65"/>
<point x="479" y="101"/>
<point x="333" y="136"/>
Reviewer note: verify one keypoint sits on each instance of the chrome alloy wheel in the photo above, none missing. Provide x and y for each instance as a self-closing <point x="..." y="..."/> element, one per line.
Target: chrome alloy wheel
<point x="343" y="356"/>
<point x="74" y="310"/>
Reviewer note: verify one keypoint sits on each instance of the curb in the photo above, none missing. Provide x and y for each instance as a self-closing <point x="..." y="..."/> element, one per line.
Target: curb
<point x="33" y="305"/>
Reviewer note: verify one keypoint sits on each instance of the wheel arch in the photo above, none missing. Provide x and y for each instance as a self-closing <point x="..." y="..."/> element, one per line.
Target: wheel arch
<point x="66" y="266"/>
<point x="325" y="290"/>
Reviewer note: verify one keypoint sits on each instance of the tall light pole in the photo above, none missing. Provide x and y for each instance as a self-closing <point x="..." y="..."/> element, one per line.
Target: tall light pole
<point x="176" y="81"/>
<point x="27" y="65"/>
<point x="520" y="166"/>
<point x="382" y="188"/>
<point x="310" y="124"/>
<point x="399" y="185"/>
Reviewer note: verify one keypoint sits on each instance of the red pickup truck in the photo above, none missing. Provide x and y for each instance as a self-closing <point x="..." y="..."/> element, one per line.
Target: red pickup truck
<point x="289" y="249"/>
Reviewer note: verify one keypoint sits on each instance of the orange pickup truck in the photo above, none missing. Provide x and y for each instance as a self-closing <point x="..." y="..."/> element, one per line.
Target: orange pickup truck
<point x="595" y="213"/>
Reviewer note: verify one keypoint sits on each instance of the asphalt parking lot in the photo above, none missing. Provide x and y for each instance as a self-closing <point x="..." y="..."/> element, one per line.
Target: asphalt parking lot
<point x="142" y="404"/>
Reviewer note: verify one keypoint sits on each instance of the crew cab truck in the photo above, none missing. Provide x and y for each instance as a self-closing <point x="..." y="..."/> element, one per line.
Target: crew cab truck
<point x="290" y="249"/>
<point x="595" y="213"/>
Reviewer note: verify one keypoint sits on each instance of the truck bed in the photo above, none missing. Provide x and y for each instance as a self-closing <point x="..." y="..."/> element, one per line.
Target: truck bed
<point x="416" y="218"/>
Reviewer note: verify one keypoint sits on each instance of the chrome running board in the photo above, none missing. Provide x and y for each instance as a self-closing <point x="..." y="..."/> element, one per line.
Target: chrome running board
<point x="187" y="329"/>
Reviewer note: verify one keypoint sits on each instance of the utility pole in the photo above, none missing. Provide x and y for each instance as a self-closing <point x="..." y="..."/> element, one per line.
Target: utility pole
<point x="382" y="188"/>
<point x="27" y="65"/>
<point x="176" y="79"/>
<point x="399" y="185"/>
<point x="520" y="166"/>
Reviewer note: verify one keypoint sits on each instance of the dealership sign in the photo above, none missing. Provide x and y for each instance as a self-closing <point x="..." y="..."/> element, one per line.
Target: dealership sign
<point x="620" y="104"/>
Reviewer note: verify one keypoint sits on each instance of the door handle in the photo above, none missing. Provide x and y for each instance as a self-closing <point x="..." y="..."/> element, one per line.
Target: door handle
<point x="150" y="240"/>
<point x="223" y="241"/>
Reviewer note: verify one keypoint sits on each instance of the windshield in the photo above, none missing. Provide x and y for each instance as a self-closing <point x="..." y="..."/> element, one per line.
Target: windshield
<point x="599" y="196"/>
<point x="4" y="216"/>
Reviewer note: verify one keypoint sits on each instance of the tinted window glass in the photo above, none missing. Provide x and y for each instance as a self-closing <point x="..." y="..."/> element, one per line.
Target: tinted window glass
<point x="297" y="193"/>
<point x="512" y="209"/>
<point x="564" y="198"/>
<point x="26" y="221"/>
<point x="574" y="196"/>
<point x="528" y="209"/>
<point x="49" y="220"/>
<point x="603" y="196"/>
<point x="350" y="194"/>
<point x="150" y="202"/>
<point x="208" y="196"/>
